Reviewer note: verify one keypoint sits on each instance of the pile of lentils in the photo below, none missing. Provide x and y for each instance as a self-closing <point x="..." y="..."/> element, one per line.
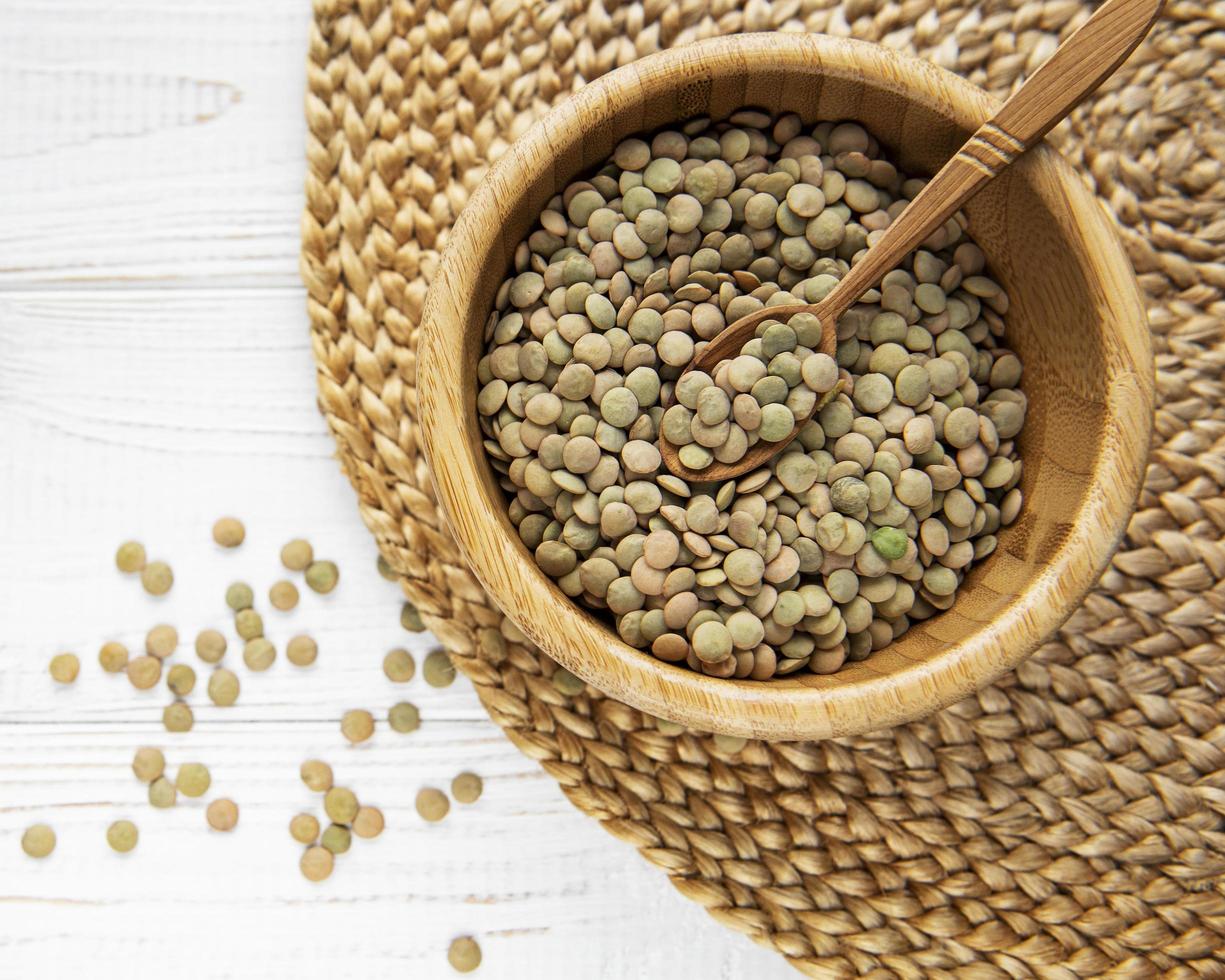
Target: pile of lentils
<point x="870" y="520"/>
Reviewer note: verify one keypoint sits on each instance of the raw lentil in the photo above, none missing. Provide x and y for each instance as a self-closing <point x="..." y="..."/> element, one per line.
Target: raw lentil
<point x="283" y="595"/>
<point x="258" y="654"/>
<point x="148" y="764"/>
<point x="64" y="668"/>
<point x="223" y="687"/>
<point x="157" y="578"/>
<point x="399" y="666"/>
<point x="369" y="822"/>
<point x="316" y="863"/>
<point x="304" y="828"/>
<point x="357" y="725"/>
<point x="432" y="804"/>
<point x="210" y="646"/>
<point x="464" y="954"/>
<point x="887" y="496"/>
<point x="192" y="779"/>
<point x="438" y="670"/>
<point x="144" y="672"/>
<point x="162" y="793"/>
<point x="297" y="555"/>
<point x="239" y="596"/>
<point x="222" y="815"/>
<point x="466" y="787"/>
<point x="130" y="557"/>
<point x="322" y="576"/>
<point x="229" y="532"/>
<point x="404" y="717"/>
<point x="411" y="619"/>
<point x="161" y="641"/>
<point x="181" y="679"/>
<point x="317" y="775"/>
<point x="336" y="838"/>
<point x="340" y="805"/>
<point x="113" y="657"/>
<point x="122" y="836"/>
<point x="301" y="650"/>
<point x="38" y="841"/>
<point x="177" y="717"/>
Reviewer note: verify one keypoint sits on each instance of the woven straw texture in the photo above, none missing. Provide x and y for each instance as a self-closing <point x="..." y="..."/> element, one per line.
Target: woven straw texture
<point x="1068" y="821"/>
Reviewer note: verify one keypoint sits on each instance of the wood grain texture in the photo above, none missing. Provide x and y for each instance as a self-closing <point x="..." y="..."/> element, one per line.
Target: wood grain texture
<point x="155" y="373"/>
<point x="1076" y="321"/>
<point x="1079" y="65"/>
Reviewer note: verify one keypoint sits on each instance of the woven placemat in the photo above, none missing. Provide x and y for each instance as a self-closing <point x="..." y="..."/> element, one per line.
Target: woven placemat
<point x="1068" y="821"/>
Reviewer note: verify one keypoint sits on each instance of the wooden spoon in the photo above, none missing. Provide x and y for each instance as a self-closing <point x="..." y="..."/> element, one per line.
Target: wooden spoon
<point x="1078" y="67"/>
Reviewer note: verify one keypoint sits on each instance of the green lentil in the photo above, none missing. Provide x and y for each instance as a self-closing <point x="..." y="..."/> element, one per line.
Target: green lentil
<point x="229" y="532"/>
<point x="438" y="670"/>
<point x="122" y="836"/>
<point x="322" y="576"/>
<point x="38" y="841"/>
<point x="130" y="557"/>
<point x="64" y="668"/>
<point x="157" y="578"/>
<point x="464" y="954"/>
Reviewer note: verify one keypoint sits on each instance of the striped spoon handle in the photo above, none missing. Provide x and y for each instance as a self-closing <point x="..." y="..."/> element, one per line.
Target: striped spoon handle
<point x="1076" y="68"/>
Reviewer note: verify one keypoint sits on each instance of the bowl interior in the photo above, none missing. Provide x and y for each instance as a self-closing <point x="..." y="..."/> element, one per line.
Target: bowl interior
<point x="1075" y="320"/>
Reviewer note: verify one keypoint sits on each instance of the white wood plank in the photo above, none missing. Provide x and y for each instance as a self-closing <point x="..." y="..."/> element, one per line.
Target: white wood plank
<point x="151" y="143"/>
<point x="149" y="413"/>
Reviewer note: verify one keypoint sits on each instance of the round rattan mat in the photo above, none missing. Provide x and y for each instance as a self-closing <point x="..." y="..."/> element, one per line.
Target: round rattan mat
<point x="1068" y="821"/>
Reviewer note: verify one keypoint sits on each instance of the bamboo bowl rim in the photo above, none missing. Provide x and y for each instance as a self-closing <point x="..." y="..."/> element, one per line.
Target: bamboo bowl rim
<point x="778" y="708"/>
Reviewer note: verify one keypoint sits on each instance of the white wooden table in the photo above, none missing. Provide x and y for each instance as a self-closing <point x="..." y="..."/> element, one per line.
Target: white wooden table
<point x="155" y="373"/>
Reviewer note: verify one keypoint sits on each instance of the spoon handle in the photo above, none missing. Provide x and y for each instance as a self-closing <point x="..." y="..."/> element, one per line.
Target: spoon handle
<point x="1077" y="67"/>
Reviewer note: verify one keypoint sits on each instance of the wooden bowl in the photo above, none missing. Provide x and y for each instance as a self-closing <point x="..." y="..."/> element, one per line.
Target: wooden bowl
<point x="1076" y="319"/>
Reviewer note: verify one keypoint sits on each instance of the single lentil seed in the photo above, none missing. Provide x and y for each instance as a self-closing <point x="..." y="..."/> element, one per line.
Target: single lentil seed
<point x="157" y="578"/>
<point x="464" y="954"/>
<point x="130" y="557"/>
<point x="432" y="804"/>
<point x="229" y="532"/>
<point x="297" y="555"/>
<point x="38" y="841"/>
<point x="222" y="815"/>
<point x="368" y="823"/>
<point x="304" y="828"/>
<point x="404" y="717"/>
<point x="340" y="805"/>
<point x="193" y="779"/>
<point x="466" y="787"/>
<point x="316" y="863"/>
<point x="122" y="836"/>
<point x="301" y="651"/>
<point x="64" y="668"/>
<point x="210" y="646"/>
<point x="399" y="666"/>
<point x="322" y="576"/>
<point x="438" y="670"/>
<point x="357" y="725"/>
<point x="283" y="595"/>
<point x="177" y="717"/>
<point x="317" y="775"/>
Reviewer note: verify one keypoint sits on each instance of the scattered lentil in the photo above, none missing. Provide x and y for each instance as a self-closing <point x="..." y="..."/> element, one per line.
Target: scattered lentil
<point x="177" y="717"/>
<point x="399" y="666"/>
<point x="304" y="828"/>
<point x="258" y="654"/>
<point x="239" y="596"/>
<point x="130" y="557"/>
<point x="283" y="595"/>
<point x="438" y="670"/>
<point x="357" y="725"/>
<point x="223" y="687"/>
<point x="464" y="954"/>
<point x="317" y="775"/>
<point x="122" y="835"/>
<point x="148" y="764"/>
<point x="466" y="787"/>
<point x="301" y="651"/>
<point x="162" y="793"/>
<point x="340" y="805"/>
<point x="322" y="576"/>
<point x="411" y="619"/>
<point x="113" y="657"/>
<point x="404" y="717"/>
<point x="229" y="532"/>
<point x="222" y="814"/>
<point x="144" y="672"/>
<point x="210" y="646"/>
<point x="65" y="667"/>
<point x="161" y="641"/>
<point x="369" y="822"/>
<point x="157" y="578"/>
<point x="336" y="838"/>
<point x="181" y="679"/>
<point x="193" y="779"/>
<point x="297" y="555"/>
<point x="316" y="863"/>
<point x="38" y="841"/>
<point x="432" y="804"/>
